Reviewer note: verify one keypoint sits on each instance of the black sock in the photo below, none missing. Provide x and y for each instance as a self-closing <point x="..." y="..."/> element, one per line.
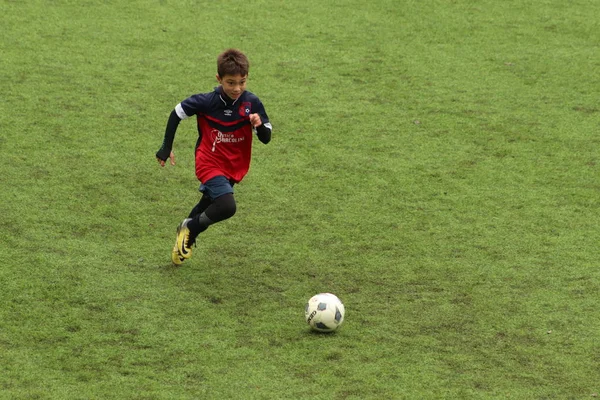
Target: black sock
<point x="202" y="205"/>
<point x="198" y="225"/>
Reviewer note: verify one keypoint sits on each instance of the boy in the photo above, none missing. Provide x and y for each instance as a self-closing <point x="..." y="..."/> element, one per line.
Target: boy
<point x="226" y="120"/>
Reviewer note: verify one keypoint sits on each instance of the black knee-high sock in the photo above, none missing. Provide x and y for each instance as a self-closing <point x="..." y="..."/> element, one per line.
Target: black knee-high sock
<point x="202" y="205"/>
<point x="220" y="209"/>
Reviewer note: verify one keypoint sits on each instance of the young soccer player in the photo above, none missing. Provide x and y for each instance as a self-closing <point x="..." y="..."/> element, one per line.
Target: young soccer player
<point x="227" y="118"/>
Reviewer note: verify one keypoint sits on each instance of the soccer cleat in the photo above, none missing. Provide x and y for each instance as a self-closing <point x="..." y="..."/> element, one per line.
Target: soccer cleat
<point x="183" y="237"/>
<point x="175" y="257"/>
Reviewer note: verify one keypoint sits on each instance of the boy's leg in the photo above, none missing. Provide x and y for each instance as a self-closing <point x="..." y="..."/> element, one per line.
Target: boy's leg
<point x="217" y="203"/>
<point x="221" y="208"/>
<point x="202" y="205"/>
<point x="176" y="256"/>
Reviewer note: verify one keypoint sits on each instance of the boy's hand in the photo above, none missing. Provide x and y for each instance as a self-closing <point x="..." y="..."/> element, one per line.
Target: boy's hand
<point x="255" y="120"/>
<point x="163" y="162"/>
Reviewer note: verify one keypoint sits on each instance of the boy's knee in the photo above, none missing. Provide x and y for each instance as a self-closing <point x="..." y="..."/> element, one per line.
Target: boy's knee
<point x="223" y="207"/>
<point x="229" y="207"/>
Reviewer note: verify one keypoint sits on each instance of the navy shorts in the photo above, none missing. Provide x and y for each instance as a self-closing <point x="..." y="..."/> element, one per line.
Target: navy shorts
<point x="217" y="187"/>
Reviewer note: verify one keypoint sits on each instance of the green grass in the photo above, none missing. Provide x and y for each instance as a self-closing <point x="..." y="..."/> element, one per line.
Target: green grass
<point x="434" y="164"/>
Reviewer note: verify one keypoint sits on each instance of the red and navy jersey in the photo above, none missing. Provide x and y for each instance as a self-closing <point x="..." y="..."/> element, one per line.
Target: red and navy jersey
<point x="225" y="143"/>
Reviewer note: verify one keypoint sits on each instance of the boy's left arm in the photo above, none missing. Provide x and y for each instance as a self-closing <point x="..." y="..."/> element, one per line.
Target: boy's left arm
<point x="260" y="122"/>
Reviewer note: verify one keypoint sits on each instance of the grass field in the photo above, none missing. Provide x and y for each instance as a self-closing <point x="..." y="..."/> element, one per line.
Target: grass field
<point x="435" y="164"/>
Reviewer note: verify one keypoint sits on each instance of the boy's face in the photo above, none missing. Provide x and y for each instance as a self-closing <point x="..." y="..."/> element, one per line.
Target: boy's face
<point x="233" y="85"/>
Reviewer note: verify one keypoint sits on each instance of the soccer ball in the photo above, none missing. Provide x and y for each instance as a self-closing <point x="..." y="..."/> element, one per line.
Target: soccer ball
<point x="324" y="312"/>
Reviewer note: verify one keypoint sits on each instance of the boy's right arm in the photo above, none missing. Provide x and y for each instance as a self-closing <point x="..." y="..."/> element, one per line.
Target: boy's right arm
<point x="197" y="103"/>
<point x="166" y="150"/>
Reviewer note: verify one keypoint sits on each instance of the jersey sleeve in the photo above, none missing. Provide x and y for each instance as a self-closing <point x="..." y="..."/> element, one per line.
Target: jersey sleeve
<point x="196" y="104"/>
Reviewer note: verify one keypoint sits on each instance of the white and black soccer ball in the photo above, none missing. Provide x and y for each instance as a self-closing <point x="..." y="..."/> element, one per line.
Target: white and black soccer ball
<point x="324" y="312"/>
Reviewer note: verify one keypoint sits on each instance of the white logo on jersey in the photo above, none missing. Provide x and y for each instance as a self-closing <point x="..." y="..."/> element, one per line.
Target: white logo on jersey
<point x="228" y="113"/>
<point x="220" y="137"/>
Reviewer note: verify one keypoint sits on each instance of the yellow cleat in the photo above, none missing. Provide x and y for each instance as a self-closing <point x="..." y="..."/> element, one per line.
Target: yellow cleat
<point x="183" y="237"/>
<point x="175" y="257"/>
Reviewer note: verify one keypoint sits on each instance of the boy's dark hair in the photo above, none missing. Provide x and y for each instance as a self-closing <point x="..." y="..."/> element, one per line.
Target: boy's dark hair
<point x="232" y="62"/>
